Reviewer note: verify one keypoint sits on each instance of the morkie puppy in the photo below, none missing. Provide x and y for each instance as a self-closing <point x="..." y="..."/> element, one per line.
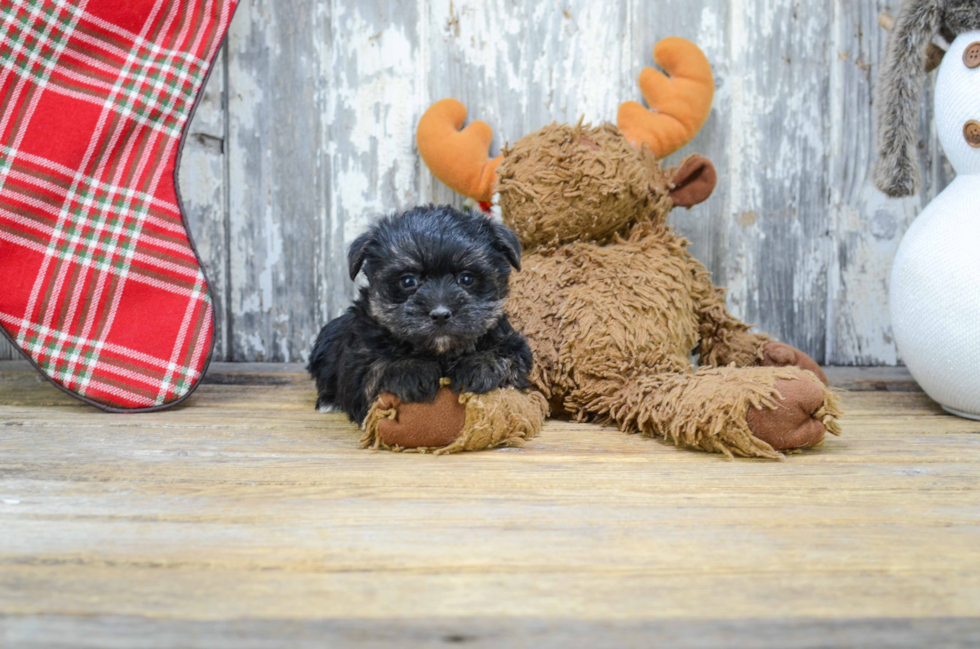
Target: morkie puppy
<point x="433" y="309"/>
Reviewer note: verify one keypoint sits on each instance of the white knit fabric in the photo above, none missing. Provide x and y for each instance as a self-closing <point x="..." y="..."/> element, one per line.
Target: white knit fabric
<point x="935" y="285"/>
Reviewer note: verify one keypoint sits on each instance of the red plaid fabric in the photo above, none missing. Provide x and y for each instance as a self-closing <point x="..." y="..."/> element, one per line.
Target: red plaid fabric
<point x="99" y="283"/>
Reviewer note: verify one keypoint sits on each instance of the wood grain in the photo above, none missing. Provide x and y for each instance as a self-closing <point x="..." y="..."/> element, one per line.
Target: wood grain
<point x="372" y="81"/>
<point x="128" y="632"/>
<point x="277" y="176"/>
<point x="247" y="509"/>
<point x="203" y="183"/>
<point x="866" y="227"/>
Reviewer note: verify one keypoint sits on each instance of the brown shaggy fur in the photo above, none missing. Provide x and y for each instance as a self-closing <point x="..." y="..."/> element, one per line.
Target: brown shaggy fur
<point x="613" y="305"/>
<point x="568" y="183"/>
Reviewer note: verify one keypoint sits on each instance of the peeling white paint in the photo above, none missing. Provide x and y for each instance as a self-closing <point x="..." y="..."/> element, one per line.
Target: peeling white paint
<point x="254" y="345"/>
<point x="866" y="226"/>
<point x="374" y="116"/>
<point x="269" y="265"/>
<point x="711" y="33"/>
<point x="570" y="77"/>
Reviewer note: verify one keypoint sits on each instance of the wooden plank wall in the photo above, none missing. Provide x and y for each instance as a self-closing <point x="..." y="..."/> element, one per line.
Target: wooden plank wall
<point x="306" y="134"/>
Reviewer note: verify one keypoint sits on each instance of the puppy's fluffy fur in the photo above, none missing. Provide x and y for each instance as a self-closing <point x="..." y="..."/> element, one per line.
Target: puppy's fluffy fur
<point x="433" y="308"/>
<point x="900" y="85"/>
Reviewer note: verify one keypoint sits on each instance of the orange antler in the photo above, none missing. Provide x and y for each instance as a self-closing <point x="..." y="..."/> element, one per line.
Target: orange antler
<point x="679" y="104"/>
<point x="458" y="158"/>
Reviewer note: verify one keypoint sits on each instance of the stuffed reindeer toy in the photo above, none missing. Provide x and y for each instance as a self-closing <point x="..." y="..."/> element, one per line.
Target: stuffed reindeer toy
<point x="610" y="300"/>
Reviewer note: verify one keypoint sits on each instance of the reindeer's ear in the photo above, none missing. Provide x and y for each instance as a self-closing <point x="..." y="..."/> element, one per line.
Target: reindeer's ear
<point x="507" y="242"/>
<point x="897" y="97"/>
<point x="358" y="252"/>
<point x="693" y="181"/>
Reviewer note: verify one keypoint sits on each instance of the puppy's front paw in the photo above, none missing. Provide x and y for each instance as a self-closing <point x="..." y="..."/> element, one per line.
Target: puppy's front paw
<point x="473" y="382"/>
<point x="414" y="382"/>
<point x="479" y="376"/>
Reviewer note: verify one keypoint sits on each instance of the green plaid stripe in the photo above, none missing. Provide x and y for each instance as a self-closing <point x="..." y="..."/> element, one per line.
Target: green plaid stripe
<point x="167" y="263"/>
<point x="121" y="39"/>
<point x="123" y="240"/>
<point x="101" y="230"/>
<point x="83" y="236"/>
<point x="157" y="92"/>
<point x="154" y="92"/>
<point x="32" y="33"/>
<point x="118" y="206"/>
<point x="45" y="345"/>
<point x="34" y="53"/>
<point x="179" y="383"/>
<point x="159" y="208"/>
<point x="97" y="229"/>
<point x="119" y="47"/>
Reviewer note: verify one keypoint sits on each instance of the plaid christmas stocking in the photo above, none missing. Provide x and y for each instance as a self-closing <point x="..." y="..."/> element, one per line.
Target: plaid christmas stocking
<point x="100" y="286"/>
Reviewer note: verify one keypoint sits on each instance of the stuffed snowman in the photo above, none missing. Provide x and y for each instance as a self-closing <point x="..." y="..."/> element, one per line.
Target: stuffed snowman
<point x="935" y="284"/>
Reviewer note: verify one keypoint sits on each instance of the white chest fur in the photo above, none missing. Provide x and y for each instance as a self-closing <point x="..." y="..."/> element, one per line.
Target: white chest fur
<point x="935" y="285"/>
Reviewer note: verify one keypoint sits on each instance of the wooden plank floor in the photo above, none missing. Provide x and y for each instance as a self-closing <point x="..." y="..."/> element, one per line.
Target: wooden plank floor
<point x="245" y="518"/>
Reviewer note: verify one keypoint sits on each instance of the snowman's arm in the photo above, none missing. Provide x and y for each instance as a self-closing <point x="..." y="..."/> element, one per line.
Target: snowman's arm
<point x="897" y="102"/>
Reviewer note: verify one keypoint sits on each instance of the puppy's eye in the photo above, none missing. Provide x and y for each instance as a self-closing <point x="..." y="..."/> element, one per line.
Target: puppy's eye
<point x="466" y="279"/>
<point x="408" y="282"/>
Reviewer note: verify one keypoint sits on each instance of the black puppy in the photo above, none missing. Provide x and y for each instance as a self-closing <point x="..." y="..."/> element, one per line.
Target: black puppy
<point x="433" y="308"/>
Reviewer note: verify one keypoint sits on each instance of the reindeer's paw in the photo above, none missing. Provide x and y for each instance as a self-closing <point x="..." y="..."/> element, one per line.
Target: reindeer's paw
<point x="775" y="354"/>
<point x="801" y="418"/>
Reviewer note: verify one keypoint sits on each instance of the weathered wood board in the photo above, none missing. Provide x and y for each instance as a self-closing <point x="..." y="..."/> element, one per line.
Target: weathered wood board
<point x="247" y="519"/>
<point x="308" y="133"/>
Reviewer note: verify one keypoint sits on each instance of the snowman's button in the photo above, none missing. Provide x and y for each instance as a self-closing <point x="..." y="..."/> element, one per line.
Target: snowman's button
<point x="972" y="133"/>
<point x="972" y="56"/>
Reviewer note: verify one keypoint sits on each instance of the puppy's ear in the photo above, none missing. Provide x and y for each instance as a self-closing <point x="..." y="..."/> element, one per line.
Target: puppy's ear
<point x="357" y="253"/>
<point x="507" y="242"/>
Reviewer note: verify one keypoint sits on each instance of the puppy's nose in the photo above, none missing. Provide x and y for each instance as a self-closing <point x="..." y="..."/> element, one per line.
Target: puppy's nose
<point x="440" y="315"/>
